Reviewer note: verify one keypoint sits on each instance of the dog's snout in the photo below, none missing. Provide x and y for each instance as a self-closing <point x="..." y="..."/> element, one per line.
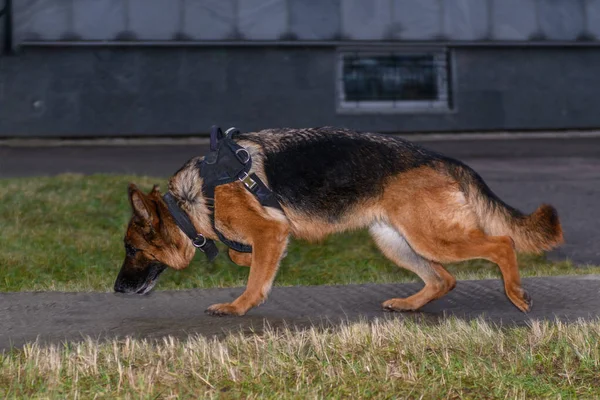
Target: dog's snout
<point x="120" y="287"/>
<point x="127" y="282"/>
<point x="138" y="280"/>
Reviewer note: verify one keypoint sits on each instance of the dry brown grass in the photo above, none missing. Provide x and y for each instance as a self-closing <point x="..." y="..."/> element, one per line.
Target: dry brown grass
<point x="455" y="359"/>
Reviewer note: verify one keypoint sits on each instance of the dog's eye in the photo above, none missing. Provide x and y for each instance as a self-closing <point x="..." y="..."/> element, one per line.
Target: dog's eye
<point x="130" y="250"/>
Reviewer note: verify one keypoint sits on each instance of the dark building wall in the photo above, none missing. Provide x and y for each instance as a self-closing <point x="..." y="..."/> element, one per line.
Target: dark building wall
<point x="90" y="91"/>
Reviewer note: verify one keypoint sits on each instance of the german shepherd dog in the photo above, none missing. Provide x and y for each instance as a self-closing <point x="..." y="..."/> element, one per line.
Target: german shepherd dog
<point x="422" y="209"/>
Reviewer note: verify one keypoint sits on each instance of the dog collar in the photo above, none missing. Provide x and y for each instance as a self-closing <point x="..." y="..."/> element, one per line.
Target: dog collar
<point x="182" y="219"/>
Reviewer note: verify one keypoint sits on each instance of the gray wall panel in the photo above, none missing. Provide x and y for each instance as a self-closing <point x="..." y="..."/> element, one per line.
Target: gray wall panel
<point x="315" y="19"/>
<point x="99" y="20"/>
<point x="41" y="19"/>
<point x="593" y="18"/>
<point x="509" y="24"/>
<point x="466" y="19"/>
<point x="420" y="20"/>
<point x="366" y="20"/>
<point x="560" y="19"/>
<point x="263" y="19"/>
<point x="209" y="19"/>
<point x="155" y="19"/>
<point x="92" y="92"/>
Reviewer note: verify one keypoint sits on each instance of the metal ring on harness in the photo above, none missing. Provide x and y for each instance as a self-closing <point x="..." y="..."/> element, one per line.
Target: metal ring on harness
<point x="198" y="245"/>
<point x="229" y="132"/>
<point x="242" y="150"/>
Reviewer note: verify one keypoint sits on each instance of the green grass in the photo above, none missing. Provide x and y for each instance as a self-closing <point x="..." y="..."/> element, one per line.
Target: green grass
<point x="66" y="232"/>
<point x="391" y="359"/>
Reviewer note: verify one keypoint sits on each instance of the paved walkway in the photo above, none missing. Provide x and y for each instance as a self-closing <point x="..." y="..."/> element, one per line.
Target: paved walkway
<point x="54" y="317"/>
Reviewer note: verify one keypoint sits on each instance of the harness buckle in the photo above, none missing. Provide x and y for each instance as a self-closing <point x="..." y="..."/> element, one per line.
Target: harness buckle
<point x="199" y="242"/>
<point x="248" y="181"/>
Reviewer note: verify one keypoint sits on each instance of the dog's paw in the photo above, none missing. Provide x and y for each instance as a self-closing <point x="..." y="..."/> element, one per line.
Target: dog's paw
<point x="523" y="302"/>
<point x="222" y="309"/>
<point x="519" y="297"/>
<point x="398" y="305"/>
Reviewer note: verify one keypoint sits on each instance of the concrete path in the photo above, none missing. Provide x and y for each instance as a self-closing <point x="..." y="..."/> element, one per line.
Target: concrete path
<point x="54" y="317"/>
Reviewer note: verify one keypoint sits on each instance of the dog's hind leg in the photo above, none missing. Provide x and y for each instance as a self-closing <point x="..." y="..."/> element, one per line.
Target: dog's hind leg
<point x="433" y="214"/>
<point x="394" y="246"/>
<point x="467" y="245"/>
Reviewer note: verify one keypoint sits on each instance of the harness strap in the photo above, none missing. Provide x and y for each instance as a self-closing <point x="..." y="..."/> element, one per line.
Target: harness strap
<point x="237" y="246"/>
<point x="184" y="223"/>
<point x="226" y="163"/>
<point x="258" y="188"/>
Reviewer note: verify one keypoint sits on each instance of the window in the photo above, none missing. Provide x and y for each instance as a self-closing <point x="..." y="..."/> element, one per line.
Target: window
<point x="393" y="81"/>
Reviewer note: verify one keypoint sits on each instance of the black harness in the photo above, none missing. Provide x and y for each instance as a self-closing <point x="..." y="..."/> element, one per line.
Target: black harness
<point x="225" y="163"/>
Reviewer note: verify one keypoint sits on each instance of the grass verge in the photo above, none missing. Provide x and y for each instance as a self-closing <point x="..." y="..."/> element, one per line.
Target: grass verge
<point x="65" y="233"/>
<point x="391" y="359"/>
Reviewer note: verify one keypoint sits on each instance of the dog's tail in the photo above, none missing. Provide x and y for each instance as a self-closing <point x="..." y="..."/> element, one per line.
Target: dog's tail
<point x="533" y="233"/>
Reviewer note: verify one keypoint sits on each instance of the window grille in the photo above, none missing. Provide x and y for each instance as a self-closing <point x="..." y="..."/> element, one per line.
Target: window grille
<point x="393" y="81"/>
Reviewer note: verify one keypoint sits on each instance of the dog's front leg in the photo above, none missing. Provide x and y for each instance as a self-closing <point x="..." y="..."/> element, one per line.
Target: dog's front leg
<point x="269" y="244"/>
<point x="241" y="217"/>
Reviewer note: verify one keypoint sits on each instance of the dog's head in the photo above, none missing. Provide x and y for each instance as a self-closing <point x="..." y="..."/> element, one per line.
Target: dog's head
<point x="153" y="242"/>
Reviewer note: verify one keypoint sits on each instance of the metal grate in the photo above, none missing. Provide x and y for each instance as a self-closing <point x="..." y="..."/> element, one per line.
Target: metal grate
<point x="393" y="81"/>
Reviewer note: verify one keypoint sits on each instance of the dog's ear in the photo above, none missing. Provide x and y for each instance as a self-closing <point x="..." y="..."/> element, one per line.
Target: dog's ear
<point x="155" y="191"/>
<point x="139" y="203"/>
